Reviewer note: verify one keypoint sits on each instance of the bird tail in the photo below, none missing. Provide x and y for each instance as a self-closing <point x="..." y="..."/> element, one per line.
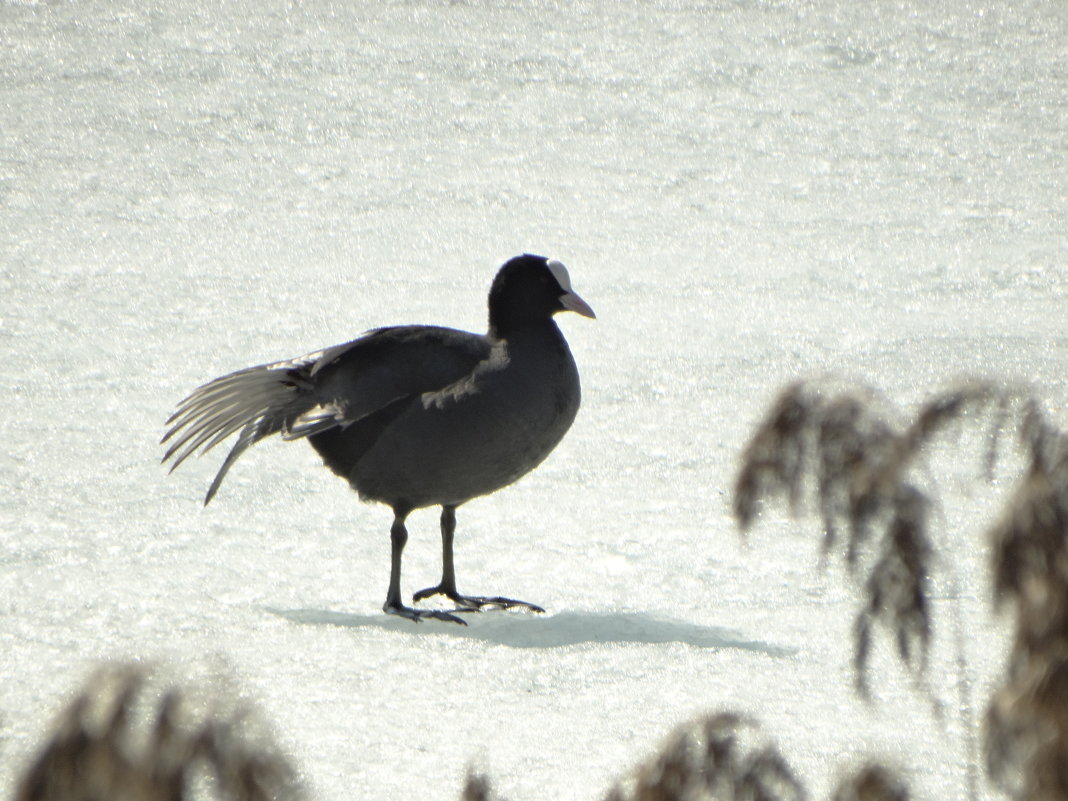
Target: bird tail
<point x="258" y="401"/>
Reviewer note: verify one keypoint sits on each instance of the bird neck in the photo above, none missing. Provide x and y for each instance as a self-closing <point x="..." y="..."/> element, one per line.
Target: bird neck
<point x="523" y="329"/>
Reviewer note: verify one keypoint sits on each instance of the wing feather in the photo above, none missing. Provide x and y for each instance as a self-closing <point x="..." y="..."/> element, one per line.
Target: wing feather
<point x="312" y="394"/>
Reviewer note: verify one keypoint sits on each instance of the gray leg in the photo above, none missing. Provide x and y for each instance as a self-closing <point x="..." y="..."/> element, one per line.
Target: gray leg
<point x="447" y="587"/>
<point x="398" y="536"/>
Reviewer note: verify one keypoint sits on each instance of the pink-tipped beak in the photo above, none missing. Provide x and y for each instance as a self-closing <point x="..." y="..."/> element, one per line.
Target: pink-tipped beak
<point x="572" y="302"/>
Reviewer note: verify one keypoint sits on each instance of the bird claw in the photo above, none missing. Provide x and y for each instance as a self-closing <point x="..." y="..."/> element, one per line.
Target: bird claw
<point x="417" y="615"/>
<point x="475" y="603"/>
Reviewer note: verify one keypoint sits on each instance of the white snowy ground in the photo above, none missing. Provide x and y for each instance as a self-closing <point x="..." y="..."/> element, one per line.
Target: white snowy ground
<point x="746" y="192"/>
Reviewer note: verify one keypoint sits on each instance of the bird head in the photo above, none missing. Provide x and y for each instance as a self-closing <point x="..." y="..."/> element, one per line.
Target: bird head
<point x="530" y="289"/>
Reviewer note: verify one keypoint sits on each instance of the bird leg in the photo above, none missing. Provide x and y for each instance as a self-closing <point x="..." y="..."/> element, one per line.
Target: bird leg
<point x="398" y="536"/>
<point x="447" y="586"/>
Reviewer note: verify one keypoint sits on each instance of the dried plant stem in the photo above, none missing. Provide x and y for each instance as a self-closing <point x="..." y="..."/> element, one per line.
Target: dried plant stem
<point x="109" y="745"/>
<point x="722" y="757"/>
<point x="842" y="442"/>
<point x="965" y="702"/>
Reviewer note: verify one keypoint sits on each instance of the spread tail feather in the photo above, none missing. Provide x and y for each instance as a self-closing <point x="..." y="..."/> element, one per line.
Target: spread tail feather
<point x="249" y="437"/>
<point x="258" y="401"/>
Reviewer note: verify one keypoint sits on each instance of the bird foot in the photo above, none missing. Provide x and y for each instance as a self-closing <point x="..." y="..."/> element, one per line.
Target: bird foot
<point x="475" y="603"/>
<point x="417" y="615"/>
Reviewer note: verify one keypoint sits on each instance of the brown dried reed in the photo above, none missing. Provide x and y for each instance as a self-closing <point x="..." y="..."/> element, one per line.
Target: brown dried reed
<point x="721" y="757"/>
<point x="840" y="445"/>
<point x="107" y="746"/>
<point x="1027" y="720"/>
<point x="873" y="782"/>
<point x="861" y="470"/>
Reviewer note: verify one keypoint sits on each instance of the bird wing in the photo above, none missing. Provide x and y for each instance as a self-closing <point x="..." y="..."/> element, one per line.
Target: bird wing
<point x="319" y="391"/>
<point x="386" y="365"/>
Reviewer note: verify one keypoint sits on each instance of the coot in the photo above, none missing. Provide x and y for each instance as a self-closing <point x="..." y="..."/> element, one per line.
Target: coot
<point x="416" y="415"/>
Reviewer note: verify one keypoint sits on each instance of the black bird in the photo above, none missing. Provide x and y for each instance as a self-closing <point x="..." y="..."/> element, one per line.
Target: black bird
<point x="416" y="415"/>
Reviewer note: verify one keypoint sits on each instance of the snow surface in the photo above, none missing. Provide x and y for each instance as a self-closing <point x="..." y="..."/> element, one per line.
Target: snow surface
<point x="746" y="192"/>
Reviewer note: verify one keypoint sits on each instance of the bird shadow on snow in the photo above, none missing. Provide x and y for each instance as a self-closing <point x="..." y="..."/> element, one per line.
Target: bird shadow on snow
<point x="548" y="631"/>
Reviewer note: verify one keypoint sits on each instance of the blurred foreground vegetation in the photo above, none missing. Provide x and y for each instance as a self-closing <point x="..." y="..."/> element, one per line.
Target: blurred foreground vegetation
<point x="130" y="736"/>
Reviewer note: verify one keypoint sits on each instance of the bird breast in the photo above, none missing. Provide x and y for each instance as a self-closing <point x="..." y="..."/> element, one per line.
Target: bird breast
<point x="480" y="433"/>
